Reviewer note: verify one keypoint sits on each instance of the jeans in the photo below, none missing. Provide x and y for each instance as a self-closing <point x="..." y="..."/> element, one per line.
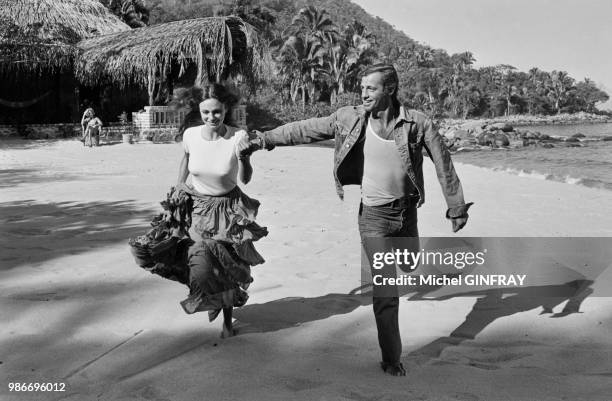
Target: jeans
<point x="397" y="219"/>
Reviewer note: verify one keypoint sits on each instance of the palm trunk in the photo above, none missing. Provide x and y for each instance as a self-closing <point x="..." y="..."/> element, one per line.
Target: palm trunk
<point x="333" y="97"/>
<point x="151" y="88"/>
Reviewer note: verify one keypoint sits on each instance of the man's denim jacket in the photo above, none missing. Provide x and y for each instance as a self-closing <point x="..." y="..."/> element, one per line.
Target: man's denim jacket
<point x="346" y="127"/>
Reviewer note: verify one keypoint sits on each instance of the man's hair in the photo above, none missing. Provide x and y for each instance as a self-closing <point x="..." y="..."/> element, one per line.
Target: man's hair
<point x="389" y="77"/>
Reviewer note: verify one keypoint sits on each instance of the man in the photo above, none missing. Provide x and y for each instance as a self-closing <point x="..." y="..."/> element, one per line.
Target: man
<point x="379" y="146"/>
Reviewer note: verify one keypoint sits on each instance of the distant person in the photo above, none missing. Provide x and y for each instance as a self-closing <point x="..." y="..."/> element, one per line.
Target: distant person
<point x="223" y="218"/>
<point x="91" y="128"/>
<point x="379" y="146"/>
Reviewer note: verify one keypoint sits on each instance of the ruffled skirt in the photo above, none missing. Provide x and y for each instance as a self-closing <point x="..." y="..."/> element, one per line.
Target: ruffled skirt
<point x="223" y="230"/>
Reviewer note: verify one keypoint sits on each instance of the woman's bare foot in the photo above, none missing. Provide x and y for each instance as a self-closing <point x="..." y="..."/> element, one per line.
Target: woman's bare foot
<point x="228" y="329"/>
<point x="226" y="333"/>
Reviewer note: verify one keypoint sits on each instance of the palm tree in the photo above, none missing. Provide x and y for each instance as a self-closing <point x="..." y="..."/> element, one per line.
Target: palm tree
<point x="132" y="12"/>
<point x="457" y="89"/>
<point x="461" y="95"/>
<point x="305" y="53"/>
<point x="504" y="79"/>
<point x="462" y="61"/>
<point x="348" y="56"/>
<point x="424" y="57"/>
<point x="534" y="87"/>
<point x="560" y="86"/>
<point x="588" y="94"/>
<point x="311" y="23"/>
<point x="301" y="64"/>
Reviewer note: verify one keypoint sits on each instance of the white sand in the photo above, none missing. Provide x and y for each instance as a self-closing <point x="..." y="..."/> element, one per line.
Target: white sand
<point x="76" y="309"/>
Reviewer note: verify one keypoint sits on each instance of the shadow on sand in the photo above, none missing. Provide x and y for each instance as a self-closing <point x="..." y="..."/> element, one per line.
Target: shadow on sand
<point x="34" y="232"/>
<point x="10" y="178"/>
<point x="491" y="305"/>
<point x="22" y="144"/>
<point x="497" y="303"/>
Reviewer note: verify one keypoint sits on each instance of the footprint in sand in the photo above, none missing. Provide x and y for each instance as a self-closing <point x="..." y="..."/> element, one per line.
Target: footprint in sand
<point x="299" y="384"/>
<point x="313" y="276"/>
<point x="466" y="397"/>
<point x="493" y="361"/>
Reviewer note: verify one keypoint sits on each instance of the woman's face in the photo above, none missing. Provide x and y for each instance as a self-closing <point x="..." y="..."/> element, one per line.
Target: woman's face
<point x="212" y="112"/>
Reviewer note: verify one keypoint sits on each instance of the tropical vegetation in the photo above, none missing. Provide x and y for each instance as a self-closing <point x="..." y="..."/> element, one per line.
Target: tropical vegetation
<point x="309" y="58"/>
<point x="317" y="58"/>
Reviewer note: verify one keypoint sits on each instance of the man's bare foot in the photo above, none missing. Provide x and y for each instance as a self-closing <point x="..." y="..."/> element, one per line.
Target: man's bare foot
<point x="396" y="369"/>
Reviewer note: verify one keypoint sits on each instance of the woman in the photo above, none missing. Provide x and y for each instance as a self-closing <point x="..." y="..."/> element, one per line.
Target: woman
<point x="223" y="226"/>
<point x="91" y="127"/>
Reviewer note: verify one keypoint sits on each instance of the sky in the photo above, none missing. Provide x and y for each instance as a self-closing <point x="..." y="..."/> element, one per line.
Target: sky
<point x="569" y="35"/>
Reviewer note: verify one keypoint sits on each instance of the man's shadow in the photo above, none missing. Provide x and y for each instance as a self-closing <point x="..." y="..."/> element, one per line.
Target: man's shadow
<point x="293" y="311"/>
<point x="491" y="305"/>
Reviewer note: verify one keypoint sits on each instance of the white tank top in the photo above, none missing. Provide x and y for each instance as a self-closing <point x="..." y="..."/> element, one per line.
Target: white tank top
<point x="384" y="175"/>
<point x="213" y="165"/>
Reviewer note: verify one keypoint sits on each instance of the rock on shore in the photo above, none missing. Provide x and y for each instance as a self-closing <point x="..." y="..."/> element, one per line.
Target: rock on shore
<point x="501" y="133"/>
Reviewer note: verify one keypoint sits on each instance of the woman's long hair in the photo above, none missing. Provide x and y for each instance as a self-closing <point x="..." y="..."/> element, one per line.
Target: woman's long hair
<point x="225" y="96"/>
<point x="190" y="99"/>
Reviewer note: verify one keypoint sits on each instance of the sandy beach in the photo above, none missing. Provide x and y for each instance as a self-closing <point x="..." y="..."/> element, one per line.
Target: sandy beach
<point x="76" y="309"/>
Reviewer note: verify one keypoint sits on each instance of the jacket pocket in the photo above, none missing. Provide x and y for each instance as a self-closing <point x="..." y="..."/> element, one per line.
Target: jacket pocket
<point x="342" y="131"/>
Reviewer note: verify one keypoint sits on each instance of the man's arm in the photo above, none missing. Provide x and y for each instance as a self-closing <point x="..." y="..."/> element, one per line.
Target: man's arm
<point x="449" y="181"/>
<point x="299" y="132"/>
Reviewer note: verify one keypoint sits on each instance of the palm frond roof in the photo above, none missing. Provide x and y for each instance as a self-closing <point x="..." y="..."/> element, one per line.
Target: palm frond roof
<point x="216" y="45"/>
<point x="40" y="35"/>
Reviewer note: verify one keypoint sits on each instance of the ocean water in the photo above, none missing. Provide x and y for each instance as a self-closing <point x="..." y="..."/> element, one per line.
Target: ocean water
<point x="589" y="165"/>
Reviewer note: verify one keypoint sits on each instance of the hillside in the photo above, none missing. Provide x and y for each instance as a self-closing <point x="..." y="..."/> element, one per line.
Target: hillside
<point x="431" y="80"/>
<point x="342" y="12"/>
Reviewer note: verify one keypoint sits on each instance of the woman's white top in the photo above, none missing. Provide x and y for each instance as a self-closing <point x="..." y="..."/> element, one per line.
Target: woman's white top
<point x="213" y="165"/>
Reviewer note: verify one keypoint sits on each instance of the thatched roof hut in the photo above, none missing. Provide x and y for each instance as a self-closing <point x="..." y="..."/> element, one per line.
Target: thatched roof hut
<point x="40" y="35"/>
<point x="55" y="53"/>
<point x="217" y="46"/>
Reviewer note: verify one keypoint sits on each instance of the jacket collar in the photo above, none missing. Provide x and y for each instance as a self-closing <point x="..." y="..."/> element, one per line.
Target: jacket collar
<point x="404" y="114"/>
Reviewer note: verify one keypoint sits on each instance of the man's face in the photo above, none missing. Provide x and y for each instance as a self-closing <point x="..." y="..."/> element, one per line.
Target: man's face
<point x="373" y="93"/>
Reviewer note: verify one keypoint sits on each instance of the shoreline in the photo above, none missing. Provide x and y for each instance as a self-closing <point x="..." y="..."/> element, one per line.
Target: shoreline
<point x="537" y="119"/>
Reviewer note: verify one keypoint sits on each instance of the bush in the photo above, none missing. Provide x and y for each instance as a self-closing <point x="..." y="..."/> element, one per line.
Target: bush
<point x="268" y="110"/>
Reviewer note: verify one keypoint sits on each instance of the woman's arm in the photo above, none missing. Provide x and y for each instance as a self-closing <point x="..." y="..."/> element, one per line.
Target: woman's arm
<point x="183" y="169"/>
<point x="245" y="170"/>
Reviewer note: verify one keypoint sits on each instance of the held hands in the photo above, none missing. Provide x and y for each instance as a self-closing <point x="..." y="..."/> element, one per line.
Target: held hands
<point x="249" y="143"/>
<point x="242" y="145"/>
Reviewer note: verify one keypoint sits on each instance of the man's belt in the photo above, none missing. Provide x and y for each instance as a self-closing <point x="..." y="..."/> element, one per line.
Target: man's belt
<point x="403" y="203"/>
